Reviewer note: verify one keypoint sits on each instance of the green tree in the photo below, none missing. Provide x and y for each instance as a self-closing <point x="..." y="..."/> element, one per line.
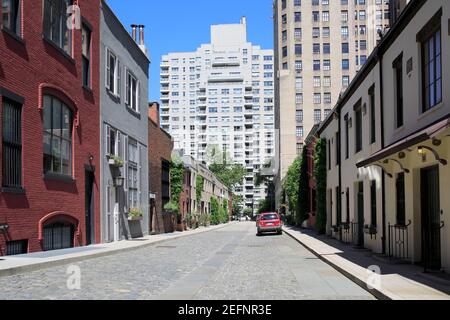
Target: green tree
<point x="303" y="198"/>
<point x="232" y="176"/>
<point x="215" y="211"/>
<point x="264" y="205"/>
<point x="238" y="201"/>
<point x="291" y="185"/>
<point x="320" y="175"/>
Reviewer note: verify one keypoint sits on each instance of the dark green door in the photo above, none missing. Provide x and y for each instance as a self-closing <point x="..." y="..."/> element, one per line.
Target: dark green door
<point x="431" y="219"/>
<point x="360" y="240"/>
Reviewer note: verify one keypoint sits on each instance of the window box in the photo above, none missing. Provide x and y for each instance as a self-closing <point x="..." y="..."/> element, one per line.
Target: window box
<point x="115" y="161"/>
<point x="135" y="214"/>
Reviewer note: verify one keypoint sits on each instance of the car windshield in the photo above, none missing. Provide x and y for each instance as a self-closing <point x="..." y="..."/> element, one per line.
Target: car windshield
<point x="269" y="217"/>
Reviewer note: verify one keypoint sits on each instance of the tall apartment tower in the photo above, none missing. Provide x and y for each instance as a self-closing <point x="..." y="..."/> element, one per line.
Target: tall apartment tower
<point x="221" y="98"/>
<point x="319" y="47"/>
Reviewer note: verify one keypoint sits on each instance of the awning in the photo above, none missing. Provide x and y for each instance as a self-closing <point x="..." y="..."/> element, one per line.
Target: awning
<point x="410" y="141"/>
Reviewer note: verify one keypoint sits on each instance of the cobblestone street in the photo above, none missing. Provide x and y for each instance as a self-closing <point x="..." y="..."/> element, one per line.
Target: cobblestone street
<point x="229" y="263"/>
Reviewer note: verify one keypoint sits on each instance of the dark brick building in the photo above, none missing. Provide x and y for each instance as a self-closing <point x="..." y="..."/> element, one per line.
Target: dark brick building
<point x="49" y="120"/>
<point x="160" y="146"/>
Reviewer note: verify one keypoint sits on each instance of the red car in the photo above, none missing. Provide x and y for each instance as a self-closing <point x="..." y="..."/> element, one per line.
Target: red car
<point x="269" y="222"/>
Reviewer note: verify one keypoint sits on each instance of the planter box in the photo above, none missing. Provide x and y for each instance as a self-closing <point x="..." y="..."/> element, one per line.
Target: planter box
<point x="114" y="163"/>
<point x="135" y="218"/>
<point x="135" y="228"/>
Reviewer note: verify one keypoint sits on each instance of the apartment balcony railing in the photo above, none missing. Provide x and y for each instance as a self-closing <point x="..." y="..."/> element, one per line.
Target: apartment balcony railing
<point x="225" y="78"/>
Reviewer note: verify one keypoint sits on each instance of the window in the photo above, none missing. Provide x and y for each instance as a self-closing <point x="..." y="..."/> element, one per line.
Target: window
<point x="398" y="73"/>
<point x="317" y="116"/>
<point x="86" y="53"/>
<point x="316" y="82"/>
<point x="299" y="132"/>
<point x="133" y="174"/>
<point x="345" y="64"/>
<point x="298" y="65"/>
<point x="57" y="136"/>
<point x="327" y="98"/>
<point x="345" y="81"/>
<point x="298" y="49"/>
<point x="316" y="48"/>
<point x="327" y="65"/>
<point x="55" y="24"/>
<point x="372" y="115"/>
<point x="432" y="71"/>
<point x="327" y="81"/>
<point x="373" y="203"/>
<point x="298" y="33"/>
<point x="344" y="32"/>
<point x="338" y="147"/>
<point x="112" y="73"/>
<point x="132" y="92"/>
<point x="297" y="16"/>
<point x="11" y="14"/>
<point x="345" y="48"/>
<point x="358" y="127"/>
<point x="400" y="197"/>
<point x="326" y="48"/>
<point x="12" y="144"/>
<point x="316" y="65"/>
<point x="329" y="154"/>
<point x="113" y="142"/>
<point x="347" y="136"/>
<point x="299" y="116"/>
<point x="285" y="52"/>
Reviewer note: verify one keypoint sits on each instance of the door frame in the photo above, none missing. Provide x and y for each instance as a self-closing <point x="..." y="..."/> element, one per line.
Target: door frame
<point x="89" y="210"/>
<point x="428" y="226"/>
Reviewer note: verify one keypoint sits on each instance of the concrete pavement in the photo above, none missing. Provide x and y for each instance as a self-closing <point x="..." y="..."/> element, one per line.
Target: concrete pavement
<point x="397" y="282"/>
<point x="229" y="263"/>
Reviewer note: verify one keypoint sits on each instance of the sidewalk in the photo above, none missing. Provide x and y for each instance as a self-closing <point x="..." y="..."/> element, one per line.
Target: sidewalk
<point x="398" y="282"/>
<point x="12" y="265"/>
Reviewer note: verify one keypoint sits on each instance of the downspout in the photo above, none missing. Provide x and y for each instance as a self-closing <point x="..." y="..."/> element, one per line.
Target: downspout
<point x="383" y="176"/>
<point x="340" y="167"/>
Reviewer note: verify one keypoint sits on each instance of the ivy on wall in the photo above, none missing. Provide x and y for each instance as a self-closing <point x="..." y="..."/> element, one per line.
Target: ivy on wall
<point x="176" y="180"/>
<point x="320" y="175"/>
<point x="303" y="198"/>
<point x="199" y="184"/>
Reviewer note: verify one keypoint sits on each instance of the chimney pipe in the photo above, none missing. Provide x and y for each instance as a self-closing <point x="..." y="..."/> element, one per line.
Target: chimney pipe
<point x="141" y="35"/>
<point x="133" y="31"/>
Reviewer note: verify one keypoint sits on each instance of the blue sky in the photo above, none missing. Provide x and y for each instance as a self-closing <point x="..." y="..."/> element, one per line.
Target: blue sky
<point x="183" y="25"/>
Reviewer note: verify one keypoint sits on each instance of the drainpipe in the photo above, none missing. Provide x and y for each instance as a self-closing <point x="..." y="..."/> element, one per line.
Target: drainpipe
<point x="340" y="168"/>
<point x="383" y="176"/>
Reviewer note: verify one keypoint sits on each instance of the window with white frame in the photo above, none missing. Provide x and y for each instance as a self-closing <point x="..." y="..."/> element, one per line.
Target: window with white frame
<point x="113" y="142"/>
<point x="112" y="73"/>
<point x="132" y="92"/>
<point x="133" y="174"/>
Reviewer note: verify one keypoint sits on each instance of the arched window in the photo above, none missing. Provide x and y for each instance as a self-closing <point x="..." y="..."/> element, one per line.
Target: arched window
<point x="58" y="120"/>
<point x="58" y="235"/>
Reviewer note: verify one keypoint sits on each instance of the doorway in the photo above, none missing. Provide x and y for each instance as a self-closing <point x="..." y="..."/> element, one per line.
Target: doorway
<point x="431" y="220"/>
<point x="89" y="205"/>
<point x="360" y="206"/>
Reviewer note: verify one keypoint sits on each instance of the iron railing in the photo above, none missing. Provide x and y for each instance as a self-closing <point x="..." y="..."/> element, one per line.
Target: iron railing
<point x="398" y="241"/>
<point x="346" y="233"/>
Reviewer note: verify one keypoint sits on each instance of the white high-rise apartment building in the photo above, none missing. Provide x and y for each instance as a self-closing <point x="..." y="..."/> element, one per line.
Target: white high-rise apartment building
<point x="221" y="97"/>
<point x="320" y="45"/>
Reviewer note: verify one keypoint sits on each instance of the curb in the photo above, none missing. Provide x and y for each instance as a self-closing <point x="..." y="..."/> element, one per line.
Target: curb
<point x="379" y="295"/>
<point x="57" y="263"/>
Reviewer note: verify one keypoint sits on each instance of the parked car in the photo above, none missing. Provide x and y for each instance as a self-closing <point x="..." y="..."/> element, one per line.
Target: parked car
<point x="269" y="222"/>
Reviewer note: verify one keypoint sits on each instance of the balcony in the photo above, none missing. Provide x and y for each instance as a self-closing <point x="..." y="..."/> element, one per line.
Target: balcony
<point x="225" y="78"/>
<point x="225" y="63"/>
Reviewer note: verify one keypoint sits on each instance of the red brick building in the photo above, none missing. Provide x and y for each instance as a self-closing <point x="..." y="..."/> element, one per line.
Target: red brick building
<point x="49" y="120"/>
<point x="160" y="146"/>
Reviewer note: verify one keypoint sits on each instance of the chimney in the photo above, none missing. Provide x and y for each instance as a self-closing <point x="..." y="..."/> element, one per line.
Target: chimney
<point x="244" y="20"/>
<point x="141" y="35"/>
<point x="153" y="112"/>
<point x="133" y="31"/>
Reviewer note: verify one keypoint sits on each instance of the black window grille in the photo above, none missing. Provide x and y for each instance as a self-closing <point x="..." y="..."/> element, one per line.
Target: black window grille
<point x="16" y="247"/>
<point x="12" y="145"/>
<point x="58" y="236"/>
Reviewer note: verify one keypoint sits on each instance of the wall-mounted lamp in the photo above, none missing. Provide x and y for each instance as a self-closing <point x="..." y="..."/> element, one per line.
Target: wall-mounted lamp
<point x="422" y="153"/>
<point x="91" y="158"/>
<point x="402" y="155"/>
<point x="4" y="228"/>
<point x="118" y="181"/>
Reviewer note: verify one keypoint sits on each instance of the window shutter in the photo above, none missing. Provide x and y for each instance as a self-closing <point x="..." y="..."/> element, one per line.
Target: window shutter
<point x="108" y="139"/>
<point x="119" y="144"/>
<point x="127" y="87"/>
<point x="138" y="89"/>
<point x="107" y="68"/>
<point x="125" y="140"/>
<point x="118" y="78"/>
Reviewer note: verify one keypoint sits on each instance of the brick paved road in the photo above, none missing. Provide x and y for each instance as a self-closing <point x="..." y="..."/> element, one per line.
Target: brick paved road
<point x="229" y="263"/>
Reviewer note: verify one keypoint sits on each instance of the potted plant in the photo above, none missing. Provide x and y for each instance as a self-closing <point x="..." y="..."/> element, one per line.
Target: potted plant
<point x="135" y="214"/>
<point x="173" y="210"/>
<point x="115" y="161"/>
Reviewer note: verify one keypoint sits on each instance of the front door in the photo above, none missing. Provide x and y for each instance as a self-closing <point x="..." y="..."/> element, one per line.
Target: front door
<point x="431" y="220"/>
<point x="89" y="206"/>
<point x="360" y="239"/>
